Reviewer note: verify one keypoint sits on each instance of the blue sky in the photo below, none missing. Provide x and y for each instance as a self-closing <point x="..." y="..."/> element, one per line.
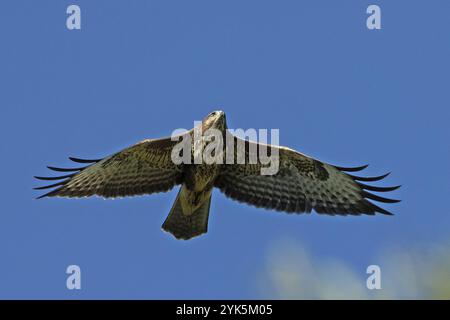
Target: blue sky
<point x="336" y="90"/>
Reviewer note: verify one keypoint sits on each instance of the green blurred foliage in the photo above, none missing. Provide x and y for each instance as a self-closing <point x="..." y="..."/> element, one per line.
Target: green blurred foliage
<point x="291" y="272"/>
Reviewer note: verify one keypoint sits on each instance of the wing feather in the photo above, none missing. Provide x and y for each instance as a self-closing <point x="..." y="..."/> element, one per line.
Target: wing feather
<point x="300" y="185"/>
<point x="143" y="168"/>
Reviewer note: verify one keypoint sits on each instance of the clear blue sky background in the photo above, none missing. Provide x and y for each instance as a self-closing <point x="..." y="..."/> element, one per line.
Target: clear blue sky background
<point x="139" y="69"/>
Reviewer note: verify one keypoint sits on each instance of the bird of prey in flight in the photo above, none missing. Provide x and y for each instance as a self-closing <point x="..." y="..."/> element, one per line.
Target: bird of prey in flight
<point x="301" y="183"/>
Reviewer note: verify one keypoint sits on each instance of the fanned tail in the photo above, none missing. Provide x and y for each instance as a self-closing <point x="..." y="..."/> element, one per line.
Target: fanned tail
<point x="187" y="226"/>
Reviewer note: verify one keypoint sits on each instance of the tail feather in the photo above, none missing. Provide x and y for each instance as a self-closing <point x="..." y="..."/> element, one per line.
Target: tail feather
<point x="187" y="226"/>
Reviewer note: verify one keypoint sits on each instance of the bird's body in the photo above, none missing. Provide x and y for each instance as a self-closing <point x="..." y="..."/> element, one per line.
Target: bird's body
<point x="300" y="184"/>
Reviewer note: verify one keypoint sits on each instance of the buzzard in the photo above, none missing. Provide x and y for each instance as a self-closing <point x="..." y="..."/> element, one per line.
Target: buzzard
<point x="300" y="184"/>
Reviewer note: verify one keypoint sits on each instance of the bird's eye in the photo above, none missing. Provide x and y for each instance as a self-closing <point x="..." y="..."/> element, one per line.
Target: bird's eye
<point x="213" y="113"/>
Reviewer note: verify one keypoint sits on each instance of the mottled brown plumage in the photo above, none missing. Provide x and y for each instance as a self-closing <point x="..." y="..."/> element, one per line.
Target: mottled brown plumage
<point x="300" y="185"/>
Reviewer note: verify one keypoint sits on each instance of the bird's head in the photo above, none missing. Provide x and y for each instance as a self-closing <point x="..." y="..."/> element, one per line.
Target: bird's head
<point x="214" y="120"/>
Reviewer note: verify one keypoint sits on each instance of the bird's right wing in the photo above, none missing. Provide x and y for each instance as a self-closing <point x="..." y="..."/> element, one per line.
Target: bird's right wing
<point x="143" y="168"/>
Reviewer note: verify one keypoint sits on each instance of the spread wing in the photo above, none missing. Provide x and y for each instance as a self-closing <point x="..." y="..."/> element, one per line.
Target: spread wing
<point x="301" y="184"/>
<point x="143" y="168"/>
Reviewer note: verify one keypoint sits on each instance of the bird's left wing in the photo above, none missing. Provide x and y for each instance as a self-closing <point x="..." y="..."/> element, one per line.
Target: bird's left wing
<point x="300" y="185"/>
<point x="143" y="168"/>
